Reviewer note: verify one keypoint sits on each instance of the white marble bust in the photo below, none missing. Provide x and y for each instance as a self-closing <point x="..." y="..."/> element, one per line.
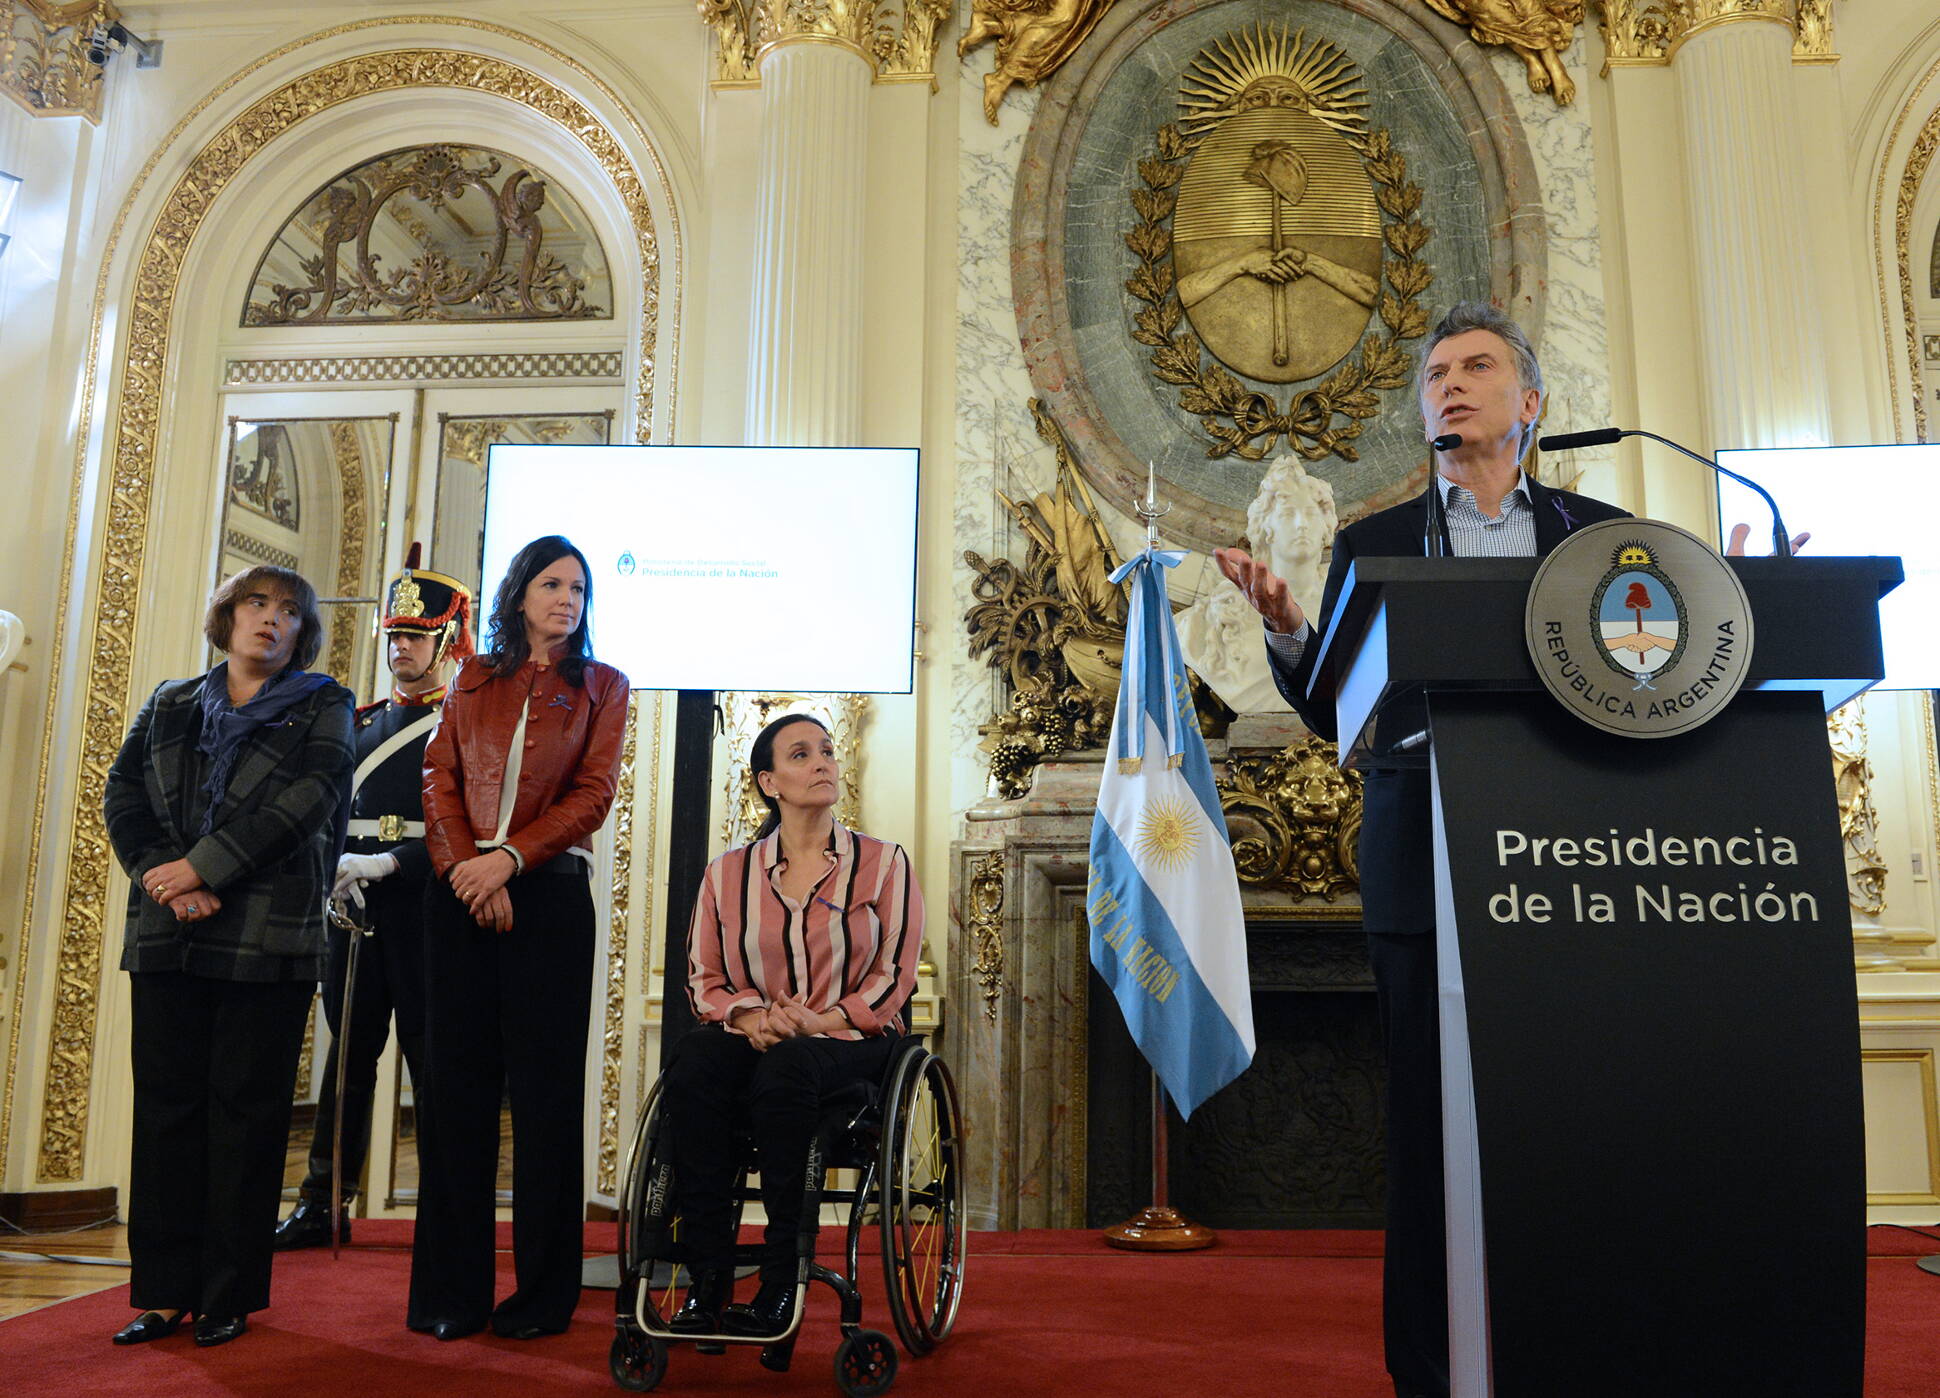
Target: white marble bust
<point x="1291" y="524"/>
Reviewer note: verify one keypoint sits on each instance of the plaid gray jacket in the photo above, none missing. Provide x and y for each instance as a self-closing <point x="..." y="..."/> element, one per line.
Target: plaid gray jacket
<point x="270" y="855"/>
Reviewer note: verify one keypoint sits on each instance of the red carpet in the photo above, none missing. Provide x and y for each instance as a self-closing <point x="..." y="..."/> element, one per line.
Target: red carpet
<point x="1044" y="1313"/>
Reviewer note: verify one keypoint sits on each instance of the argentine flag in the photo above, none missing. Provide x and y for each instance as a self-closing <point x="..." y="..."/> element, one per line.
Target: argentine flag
<point x="1167" y="933"/>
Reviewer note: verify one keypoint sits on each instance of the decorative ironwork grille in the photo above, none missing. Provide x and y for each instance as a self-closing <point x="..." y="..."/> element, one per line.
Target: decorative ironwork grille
<point x="433" y="233"/>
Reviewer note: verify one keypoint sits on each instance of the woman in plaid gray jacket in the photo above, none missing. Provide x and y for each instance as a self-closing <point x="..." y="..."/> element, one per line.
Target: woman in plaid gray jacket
<point x="226" y="806"/>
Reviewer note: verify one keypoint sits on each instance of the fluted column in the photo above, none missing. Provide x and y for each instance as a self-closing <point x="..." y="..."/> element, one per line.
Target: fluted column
<point x="805" y="322"/>
<point x="1764" y="380"/>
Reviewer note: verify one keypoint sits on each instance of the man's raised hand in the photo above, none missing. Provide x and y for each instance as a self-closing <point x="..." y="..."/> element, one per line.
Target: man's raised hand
<point x="1735" y="546"/>
<point x="1264" y="589"/>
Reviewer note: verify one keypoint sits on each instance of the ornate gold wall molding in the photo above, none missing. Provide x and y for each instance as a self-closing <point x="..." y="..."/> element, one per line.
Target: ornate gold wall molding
<point x="1907" y="321"/>
<point x="1813" y="26"/>
<point x="618" y="930"/>
<point x="1648" y="33"/>
<point x="134" y="438"/>
<point x="43" y="56"/>
<point x="745" y="715"/>
<point x="1918" y="159"/>
<point x="1858" y="817"/>
<point x="422" y="368"/>
<point x="306" y="1057"/>
<point x="1295" y="819"/>
<point x="237" y="542"/>
<point x="349" y="453"/>
<point x="984" y="910"/>
<point x="744" y="30"/>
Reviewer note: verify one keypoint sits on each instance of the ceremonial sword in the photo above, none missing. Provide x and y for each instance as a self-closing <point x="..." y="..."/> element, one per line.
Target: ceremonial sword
<point x="345" y="916"/>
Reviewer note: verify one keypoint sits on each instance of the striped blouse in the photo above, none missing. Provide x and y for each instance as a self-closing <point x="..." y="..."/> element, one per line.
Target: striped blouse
<point x="855" y="945"/>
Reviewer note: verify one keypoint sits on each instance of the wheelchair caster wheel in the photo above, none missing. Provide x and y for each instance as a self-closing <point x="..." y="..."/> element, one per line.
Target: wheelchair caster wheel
<point x="637" y="1362"/>
<point x="865" y="1364"/>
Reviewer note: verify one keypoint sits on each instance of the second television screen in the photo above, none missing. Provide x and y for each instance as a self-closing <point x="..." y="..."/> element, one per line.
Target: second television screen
<point x="744" y="568"/>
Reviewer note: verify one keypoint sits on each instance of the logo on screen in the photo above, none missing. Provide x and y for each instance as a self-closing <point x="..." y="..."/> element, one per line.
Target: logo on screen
<point x="626" y="565"/>
<point x="1639" y="628"/>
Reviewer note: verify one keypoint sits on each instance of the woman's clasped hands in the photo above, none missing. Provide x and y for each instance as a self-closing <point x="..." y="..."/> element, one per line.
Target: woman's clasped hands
<point x="480" y="883"/>
<point x="788" y="1017"/>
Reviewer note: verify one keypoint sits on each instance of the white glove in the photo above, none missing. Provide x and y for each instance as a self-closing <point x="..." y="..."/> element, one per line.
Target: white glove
<point x="354" y="871"/>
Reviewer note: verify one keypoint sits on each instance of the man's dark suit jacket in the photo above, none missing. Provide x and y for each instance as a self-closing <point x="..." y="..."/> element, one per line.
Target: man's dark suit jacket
<point x="271" y="855"/>
<point x="1397" y="830"/>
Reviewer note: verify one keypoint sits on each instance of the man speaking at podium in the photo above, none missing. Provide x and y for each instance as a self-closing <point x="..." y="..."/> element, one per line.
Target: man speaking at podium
<point x="1481" y="394"/>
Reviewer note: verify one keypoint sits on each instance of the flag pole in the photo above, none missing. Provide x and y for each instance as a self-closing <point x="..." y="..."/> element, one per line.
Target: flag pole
<point x="1158" y="1227"/>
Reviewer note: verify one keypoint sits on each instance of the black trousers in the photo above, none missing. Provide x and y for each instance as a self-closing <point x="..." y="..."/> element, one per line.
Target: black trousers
<point x="718" y="1079"/>
<point x="1414" y="1298"/>
<point x="505" y="1013"/>
<point x="390" y="981"/>
<point x="215" y="1068"/>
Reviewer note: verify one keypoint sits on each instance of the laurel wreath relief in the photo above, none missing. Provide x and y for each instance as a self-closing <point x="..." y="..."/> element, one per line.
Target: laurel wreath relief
<point x="1318" y="422"/>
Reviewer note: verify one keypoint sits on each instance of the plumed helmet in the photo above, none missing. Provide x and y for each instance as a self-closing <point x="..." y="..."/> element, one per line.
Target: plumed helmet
<point x="434" y="604"/>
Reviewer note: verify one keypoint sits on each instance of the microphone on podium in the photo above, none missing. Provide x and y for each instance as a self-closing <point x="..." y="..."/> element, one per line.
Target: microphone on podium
<point x="1609" y="436"/>
<point x="1435" y="542"/>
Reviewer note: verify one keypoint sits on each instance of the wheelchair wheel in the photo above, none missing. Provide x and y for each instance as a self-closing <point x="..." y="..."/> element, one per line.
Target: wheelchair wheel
<point x="646" y="1220"/>
<point x="865" y="1364"/>
<point x="637" y="1362"/>
<point x="921" y="1184"/>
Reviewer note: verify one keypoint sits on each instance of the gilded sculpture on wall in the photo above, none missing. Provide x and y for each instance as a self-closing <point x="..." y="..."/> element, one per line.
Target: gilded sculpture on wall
<point x="1054" y="627"/>
<point x="1269" y="217"/>
<point x="1536" y="31"/>
<point x="1295" y="819"/>
<point x="1034" y="37"/>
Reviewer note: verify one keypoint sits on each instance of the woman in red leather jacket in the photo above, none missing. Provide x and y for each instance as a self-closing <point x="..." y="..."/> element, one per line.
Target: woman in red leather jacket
<point x="519" y="775"/>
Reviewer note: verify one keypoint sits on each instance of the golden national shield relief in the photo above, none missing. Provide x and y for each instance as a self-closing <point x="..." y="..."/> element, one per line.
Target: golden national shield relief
<point x="1269" y="194"/>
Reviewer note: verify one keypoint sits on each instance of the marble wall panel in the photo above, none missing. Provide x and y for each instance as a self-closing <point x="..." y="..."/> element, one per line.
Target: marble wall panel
<point x="998" y="448"/>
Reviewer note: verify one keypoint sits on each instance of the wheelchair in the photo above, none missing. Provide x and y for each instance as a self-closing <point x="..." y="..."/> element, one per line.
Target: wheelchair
<point x="903" y="1137"/>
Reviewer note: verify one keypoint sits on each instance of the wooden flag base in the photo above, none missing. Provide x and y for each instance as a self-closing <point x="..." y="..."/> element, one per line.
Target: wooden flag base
<point x="1160" y="1228"/>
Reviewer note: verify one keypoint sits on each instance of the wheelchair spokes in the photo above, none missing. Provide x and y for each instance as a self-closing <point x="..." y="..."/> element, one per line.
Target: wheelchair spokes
<point x="923" y="1220"/>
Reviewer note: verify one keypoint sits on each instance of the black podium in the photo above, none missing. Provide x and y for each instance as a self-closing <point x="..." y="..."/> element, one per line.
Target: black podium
<point x="1653" y="1133"/>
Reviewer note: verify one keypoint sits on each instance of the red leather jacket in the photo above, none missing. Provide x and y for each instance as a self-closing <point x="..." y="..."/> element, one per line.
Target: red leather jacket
<point x="567" y="776"/>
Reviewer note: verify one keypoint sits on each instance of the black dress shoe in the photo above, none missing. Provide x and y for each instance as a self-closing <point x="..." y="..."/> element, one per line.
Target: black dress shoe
<point x="526" y="1332"/>
<point x="700" y="1313"/>
<point x="308" y="1226"/>
<point x="767" y="1317"/>
<point x="149" y="1325"/>
<point x="219" y="1330"/>
<point x="452" y="1330"/>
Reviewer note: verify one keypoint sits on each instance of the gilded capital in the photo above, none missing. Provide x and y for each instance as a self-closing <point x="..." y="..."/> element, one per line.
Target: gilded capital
<point x="1648" y="33"/>
<point x="43" y="55"/>
<point x="898" y="43"/>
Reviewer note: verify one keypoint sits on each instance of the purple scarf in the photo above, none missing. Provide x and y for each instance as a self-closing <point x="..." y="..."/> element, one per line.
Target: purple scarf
<point x="225" y="728"/>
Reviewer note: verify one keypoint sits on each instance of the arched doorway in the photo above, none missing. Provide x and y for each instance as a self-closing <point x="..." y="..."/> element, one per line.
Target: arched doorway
<point x="174" y="359"/>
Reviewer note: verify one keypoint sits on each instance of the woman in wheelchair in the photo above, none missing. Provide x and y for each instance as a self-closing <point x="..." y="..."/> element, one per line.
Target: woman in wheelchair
<point x="802" y="956"/>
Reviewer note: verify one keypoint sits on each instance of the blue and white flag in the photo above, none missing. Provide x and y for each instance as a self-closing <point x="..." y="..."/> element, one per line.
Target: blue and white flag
<point x="1167" y="933"/>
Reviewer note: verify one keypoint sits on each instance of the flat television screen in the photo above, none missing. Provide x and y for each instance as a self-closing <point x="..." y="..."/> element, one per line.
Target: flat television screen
<point x="747" y="568"/>
<point x="1857" y="501"/>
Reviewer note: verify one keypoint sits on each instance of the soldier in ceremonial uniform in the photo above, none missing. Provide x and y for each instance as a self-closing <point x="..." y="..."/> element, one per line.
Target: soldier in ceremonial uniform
<point x="426" y="623"/>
